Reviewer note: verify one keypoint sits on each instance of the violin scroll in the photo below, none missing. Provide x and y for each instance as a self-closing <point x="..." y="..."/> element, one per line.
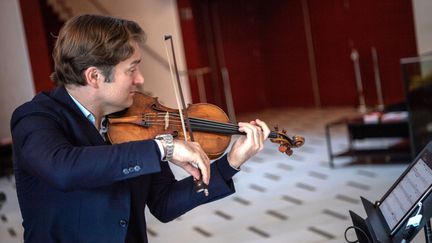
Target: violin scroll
<point x="285" y="142"/>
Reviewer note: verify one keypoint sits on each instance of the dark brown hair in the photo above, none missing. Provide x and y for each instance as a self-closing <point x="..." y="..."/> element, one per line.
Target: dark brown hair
<point x="93" y="40"/>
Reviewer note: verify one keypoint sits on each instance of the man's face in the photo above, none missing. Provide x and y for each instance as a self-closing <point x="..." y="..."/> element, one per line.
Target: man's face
<point x="118" y="94"/>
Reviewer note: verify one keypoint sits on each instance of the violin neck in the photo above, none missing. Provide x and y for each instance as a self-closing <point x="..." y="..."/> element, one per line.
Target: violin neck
<point x="203" y="125"/>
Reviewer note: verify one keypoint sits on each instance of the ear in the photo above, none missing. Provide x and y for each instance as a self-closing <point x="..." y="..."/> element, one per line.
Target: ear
<point x="93" y="76"/>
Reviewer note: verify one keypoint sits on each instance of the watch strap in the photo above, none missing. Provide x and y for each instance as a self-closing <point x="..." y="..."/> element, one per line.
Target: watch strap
<point x="168" y="140"/>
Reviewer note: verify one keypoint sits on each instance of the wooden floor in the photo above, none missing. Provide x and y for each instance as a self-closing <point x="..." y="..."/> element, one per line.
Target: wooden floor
<point x="279" y="199"/>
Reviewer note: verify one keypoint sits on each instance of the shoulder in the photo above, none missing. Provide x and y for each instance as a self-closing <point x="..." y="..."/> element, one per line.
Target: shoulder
<point x="47" y="104"/>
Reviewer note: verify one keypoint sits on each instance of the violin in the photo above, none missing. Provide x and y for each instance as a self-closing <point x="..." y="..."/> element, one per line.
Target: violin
<point x="146" y="118"/>
<point x="207" y="124"/>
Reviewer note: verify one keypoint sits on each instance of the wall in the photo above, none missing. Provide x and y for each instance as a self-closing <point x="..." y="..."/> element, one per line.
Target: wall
<point x="16" y="85"/>
<point x="339" y="25"/>
<point x="39" y="53"/>
<point x="285" y="55"/>
<point x="423" y="25"/>
<point x="268" y="52"/>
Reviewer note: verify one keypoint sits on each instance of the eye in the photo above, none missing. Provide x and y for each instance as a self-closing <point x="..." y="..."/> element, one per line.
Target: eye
<point x="132" y="70"/>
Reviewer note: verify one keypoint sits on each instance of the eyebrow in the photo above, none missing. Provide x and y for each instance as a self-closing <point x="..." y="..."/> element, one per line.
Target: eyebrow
<point x="135" y="62"/>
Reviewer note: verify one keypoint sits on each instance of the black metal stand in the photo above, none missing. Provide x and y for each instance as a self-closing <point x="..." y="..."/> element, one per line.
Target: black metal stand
<point x="359" y="131"/>
<point x="428" y="232"/>
<point x="371" y="226"/>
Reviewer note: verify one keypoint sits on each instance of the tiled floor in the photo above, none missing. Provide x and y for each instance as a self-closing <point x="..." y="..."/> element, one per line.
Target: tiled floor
<point x="279" y="199"/>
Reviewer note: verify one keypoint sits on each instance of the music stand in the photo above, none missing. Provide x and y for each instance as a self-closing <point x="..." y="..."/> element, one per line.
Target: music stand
<point x="387" y="218"/>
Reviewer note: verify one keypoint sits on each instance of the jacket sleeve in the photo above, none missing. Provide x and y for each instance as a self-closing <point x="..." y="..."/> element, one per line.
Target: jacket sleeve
<point x="169" y="199"/>
<point x="43" y="150"/>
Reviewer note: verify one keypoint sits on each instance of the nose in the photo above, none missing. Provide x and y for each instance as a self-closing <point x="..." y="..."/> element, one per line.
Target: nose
<point x="139" y="79"/>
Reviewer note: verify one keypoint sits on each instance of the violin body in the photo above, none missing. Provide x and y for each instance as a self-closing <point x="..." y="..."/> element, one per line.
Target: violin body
<point x="147" y="118"/>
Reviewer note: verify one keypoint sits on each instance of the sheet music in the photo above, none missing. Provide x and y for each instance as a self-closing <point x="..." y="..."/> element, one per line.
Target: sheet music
<point x="407" y="193"/>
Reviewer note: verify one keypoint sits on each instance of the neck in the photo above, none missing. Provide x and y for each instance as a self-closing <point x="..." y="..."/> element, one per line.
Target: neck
<point x="87" y="99"/>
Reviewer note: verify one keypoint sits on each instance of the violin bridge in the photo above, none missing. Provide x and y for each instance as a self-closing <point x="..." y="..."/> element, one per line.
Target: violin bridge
<point x="166" y="118"/>
<point x="144" y="120"/>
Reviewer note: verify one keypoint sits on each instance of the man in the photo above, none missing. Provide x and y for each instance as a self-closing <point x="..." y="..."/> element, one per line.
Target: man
<point x="72" y="185"/>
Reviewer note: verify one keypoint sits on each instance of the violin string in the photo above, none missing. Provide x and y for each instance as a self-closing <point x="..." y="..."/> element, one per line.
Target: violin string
<point x="215" y="125"/>
<point x="195" y="125"/>
<point x="233" y="130"/>
<point x="202" y="128"/>
<point x="198" y="123"/>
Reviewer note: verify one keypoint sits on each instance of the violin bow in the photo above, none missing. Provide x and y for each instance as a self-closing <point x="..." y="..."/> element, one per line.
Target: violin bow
<point x="200" y="186"/>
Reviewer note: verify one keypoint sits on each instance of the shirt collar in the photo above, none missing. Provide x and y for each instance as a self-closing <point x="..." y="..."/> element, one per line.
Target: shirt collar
<point x="103" y="126"/>
<point x="84" y="110"/>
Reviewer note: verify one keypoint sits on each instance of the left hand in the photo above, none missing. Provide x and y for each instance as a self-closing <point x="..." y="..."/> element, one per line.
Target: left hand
<point x="247" y="146"/>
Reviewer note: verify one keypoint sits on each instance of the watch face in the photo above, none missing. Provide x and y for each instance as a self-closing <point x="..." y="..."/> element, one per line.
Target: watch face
<point x="167" y="137"/>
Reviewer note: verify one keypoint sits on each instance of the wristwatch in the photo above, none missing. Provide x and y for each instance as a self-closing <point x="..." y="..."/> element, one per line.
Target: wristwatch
<point x="168" y="141"/>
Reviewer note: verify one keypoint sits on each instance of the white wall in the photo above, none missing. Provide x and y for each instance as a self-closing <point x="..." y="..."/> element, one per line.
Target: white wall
<point x="157" y="18"/>
<point x="16" y="82"/>
<point x="423" y="25"/>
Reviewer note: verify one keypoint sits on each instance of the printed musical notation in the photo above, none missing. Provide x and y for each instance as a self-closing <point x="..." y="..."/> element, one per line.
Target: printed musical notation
<point x="413" y="186"/>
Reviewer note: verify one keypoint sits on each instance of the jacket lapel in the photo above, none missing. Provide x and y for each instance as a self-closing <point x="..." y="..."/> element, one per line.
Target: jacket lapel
<point x="80" y="122"/>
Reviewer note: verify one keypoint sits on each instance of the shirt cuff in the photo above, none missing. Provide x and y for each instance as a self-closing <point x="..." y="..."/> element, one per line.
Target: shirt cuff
<point x="161" y="148"/>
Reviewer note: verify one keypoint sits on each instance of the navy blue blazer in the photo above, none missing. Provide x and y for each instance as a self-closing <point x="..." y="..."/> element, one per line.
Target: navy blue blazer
<point x="73" y="187"/>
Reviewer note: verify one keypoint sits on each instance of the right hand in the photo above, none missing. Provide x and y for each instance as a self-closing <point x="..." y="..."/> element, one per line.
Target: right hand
<point x="187" y="154"/>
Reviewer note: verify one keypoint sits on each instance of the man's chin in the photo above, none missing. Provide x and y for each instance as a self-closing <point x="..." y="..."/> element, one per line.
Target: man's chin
<point x="128" y="103"/>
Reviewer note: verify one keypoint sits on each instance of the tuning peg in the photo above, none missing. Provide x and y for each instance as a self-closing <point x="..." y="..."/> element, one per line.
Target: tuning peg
<point x="283" y="148"/>
<point x="276" y="128"/>
<point x="289" y="152"/>
<point x="284" y="131"/>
